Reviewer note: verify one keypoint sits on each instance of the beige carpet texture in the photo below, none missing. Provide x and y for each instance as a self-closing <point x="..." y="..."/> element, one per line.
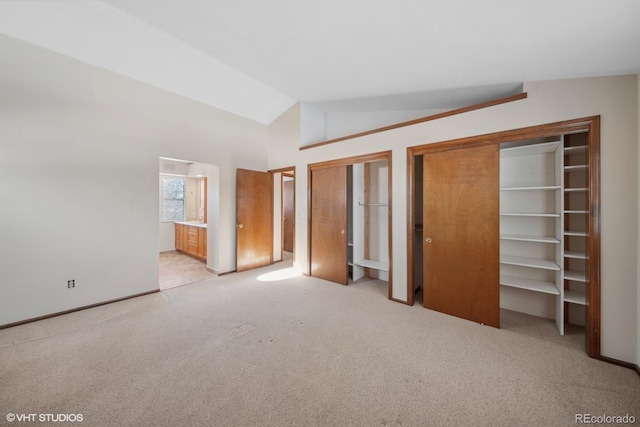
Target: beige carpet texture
<point x="265" y="348"/>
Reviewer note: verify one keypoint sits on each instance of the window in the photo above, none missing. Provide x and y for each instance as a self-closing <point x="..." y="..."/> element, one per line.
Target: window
<point x="173" y="191"/>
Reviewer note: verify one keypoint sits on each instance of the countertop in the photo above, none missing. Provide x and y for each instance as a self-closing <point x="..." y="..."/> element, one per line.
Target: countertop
<point x="192" y="223"/>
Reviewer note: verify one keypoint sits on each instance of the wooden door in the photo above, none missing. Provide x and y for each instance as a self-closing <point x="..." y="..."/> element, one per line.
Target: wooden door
<point x="461" y="233"/>
<point x="254" y="225"/>
<point x="288" y="214"/>
<point x="329" y="224"/>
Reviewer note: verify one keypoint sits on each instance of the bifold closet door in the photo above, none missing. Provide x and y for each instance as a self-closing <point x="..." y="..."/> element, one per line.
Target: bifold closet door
<point x="461" y="233"/>
<point x="329" y="224"/>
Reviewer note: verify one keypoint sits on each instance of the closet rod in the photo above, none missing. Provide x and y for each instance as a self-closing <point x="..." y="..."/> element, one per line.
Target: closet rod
<point x="372" y="204"/>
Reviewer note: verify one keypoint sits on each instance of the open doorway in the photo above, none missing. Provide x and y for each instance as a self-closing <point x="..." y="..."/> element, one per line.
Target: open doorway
<point x="187" y="195"/>
<point x="284" y="218"/>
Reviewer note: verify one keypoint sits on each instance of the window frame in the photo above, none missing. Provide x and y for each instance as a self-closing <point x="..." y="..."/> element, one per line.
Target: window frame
<point x="163" y="212"/>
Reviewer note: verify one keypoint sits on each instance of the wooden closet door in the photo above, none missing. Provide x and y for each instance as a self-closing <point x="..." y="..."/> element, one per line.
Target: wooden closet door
<point x="329" y="224"/>
<point x="461" y="233"/>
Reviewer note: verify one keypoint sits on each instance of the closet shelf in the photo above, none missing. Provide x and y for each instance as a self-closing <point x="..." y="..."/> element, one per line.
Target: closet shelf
<point x="572" y="168"/>
<point x="575" y="254"/>
<point x="575" y="233"/>
<point x="543" y="215"/>
<point x="529" y="262"/>
<point x="372" y="204"/>
<point x="575" y="150"/>
<point x="538" y="188"/>
<point x="370" y="263"/>
<point x="575" y="276"/>
<point x="575" y="297"/>
<point x="532" y="149"/>
<point x="529" y="284"/>
<point x="527" y="238"/>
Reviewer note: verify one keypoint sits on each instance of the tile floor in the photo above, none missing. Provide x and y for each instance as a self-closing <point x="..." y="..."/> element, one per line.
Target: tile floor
<point x="177" y="269"/>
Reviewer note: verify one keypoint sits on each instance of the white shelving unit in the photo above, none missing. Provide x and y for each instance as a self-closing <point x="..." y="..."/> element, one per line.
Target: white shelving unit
<point x="370" y="263"/>
<point x="529" y="284"/>
<point x="529" y="262"/>
<point x="378" y="222"/>
<point x="544" y="210"/>
<point x="531" y="224"/>
<point x="575" y="232"/>
<point x="526" y="238"/>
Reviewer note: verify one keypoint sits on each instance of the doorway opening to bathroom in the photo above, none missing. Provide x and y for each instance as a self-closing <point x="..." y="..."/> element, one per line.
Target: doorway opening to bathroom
<point x="187" y="212"/>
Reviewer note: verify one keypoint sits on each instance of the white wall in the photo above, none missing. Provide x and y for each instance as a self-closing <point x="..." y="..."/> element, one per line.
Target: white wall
<point x="312" y="124"/>
<point x="79" y="179"/>
<point x="341" y="124"/>
<point x="614" y="98"/>
<point x="284" y="141"/>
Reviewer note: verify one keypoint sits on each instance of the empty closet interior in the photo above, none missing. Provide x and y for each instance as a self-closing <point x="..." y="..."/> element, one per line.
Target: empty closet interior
<point x="548" y="235"/>
<point x="368" y="220"/>
<point x="543" y="228"/>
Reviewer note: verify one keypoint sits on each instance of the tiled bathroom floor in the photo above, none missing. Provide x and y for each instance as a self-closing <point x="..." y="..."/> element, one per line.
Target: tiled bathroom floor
<point x="177" y="269"/>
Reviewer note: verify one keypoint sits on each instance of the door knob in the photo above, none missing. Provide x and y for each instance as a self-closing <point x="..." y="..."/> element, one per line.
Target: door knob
<point x="428" y="240"/>
<point x="240" y="225"/>
<point x="342" y="232"/>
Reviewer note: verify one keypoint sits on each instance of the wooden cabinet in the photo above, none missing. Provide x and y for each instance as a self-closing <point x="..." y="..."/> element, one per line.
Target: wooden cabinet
<point x="192" y="240"/>
<point x="202" y="243"/>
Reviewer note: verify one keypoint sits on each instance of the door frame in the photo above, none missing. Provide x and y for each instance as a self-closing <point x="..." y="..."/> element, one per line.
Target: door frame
<point x="348" y="161"/>
<point x="589" y="125"/>
<point x="290" y="172"/>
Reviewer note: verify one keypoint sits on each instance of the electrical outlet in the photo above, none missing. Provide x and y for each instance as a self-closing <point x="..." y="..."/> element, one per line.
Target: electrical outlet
<point x="71" y="284"/>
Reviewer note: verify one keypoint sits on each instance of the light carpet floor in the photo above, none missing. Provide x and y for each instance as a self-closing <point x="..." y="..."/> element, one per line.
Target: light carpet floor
<point x="262" y="349"/>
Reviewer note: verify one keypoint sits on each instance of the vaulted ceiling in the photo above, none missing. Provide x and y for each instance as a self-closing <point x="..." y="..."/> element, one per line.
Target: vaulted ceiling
<point x="256" y="58"/>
